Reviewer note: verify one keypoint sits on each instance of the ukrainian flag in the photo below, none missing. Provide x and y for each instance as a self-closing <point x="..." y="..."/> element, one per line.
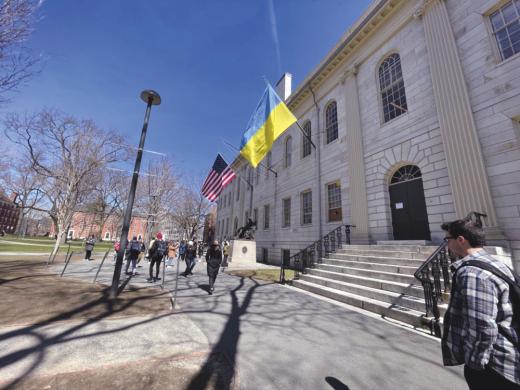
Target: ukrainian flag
<point x="270" y="119"/>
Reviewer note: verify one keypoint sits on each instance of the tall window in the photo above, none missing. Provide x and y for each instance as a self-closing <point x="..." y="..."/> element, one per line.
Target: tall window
<point x="506" y="28"/>
<point x="334" y="201"/>
<point x="306" y="205"/>
<point x="227" y="226"/>
<point x="238" y="188"/>
<point x="257" y="174"/>
<point x="235" y="226"/>
<point x="391" y="83"/>
<point x="288" y="152"/>
<point x="286" y="212"/>
<point x="266" y="216"/>
<point x="246" y="217"/>
<point x="255" y="215"/>
<point x="306" y="149"/>
<point x="331" y="122"/>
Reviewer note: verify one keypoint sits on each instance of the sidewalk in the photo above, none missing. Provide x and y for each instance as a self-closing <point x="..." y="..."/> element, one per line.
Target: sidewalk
<point x="280" y="338"/>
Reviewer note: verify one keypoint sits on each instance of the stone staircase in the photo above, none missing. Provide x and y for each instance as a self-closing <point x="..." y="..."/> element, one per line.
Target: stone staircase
<point x="378" y="278"/>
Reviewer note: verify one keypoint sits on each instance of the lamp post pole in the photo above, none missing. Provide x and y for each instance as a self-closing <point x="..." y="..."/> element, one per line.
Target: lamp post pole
<point x="151" y="98"/>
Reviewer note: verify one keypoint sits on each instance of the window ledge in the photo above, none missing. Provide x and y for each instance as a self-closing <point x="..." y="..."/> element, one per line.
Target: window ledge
<point x="402" y="116"/>
<point x="506" y="61"/>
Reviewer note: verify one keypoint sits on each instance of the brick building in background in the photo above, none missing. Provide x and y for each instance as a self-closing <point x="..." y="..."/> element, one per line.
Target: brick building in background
<point x="9" y="214"/>
<point x="85" y="224"/>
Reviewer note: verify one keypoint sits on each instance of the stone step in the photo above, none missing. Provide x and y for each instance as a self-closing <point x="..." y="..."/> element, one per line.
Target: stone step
<point x="380" y="253"/>
<point x="397" y="248"/>
<point x="400" y="299"/>
<point x="398" y="269"/>
<point x="415" y="289"/>
<point x="372" y="259"/>
<point x="392" y="276"/>
<point x="400" y="313"/>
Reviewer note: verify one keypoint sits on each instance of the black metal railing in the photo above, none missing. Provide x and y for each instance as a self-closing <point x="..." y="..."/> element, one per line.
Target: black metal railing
<point x="429" y="274"/>
<point x="311" y="255"/>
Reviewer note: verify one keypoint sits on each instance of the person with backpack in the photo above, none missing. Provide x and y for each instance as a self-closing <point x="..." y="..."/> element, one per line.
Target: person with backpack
<point x="182" y="251"/>
<point x="481" y="327"/>
<point x="156" y="252"/>
<point x="213" y="260"/>
<point x="89" y="247"/>
<point x="133" y="249"/>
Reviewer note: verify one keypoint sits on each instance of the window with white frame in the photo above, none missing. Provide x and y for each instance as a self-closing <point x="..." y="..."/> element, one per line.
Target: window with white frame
<point x="506" y="28"/>
<point x="257" y="174"/>
<point x="246" y="217"/>
<point x="255" y="215"/>
<point x="306" y="147"/>
<point x="391" y="83"/>
<point x="286" y="212"/>
<point x="334" y="201"/>
<point x="107" y="236"/>
<point x="235" y="226"/>
<point x="288" y="152"/>
<point x="238" y="189"/>
<point x="306" y="206"/>
<point x="266" y="216"/>
<point x="331" y="122"/>
<point x="227" y="226"/>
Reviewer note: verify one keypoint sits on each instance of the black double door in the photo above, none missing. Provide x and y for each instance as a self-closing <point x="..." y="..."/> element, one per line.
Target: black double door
<point x="409" y="216"/>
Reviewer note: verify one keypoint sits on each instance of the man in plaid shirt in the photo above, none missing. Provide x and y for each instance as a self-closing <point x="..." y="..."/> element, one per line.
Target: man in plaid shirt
<point x="477" y="324"/>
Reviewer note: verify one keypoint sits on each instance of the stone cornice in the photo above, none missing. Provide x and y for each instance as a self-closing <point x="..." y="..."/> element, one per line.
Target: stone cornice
<point x="368" y="23"/>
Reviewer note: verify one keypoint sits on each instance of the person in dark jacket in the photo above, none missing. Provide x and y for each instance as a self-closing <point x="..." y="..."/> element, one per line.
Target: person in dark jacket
<point x="213" y="260"/>
<point x="157" y="251"/>
<point x="133" y="249"/>
<point x="191" y="254"/>
<point x="89" y="247"/>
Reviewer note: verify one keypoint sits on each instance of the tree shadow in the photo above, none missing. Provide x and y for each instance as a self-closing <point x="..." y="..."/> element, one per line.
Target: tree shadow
<point x="44" y="342"/>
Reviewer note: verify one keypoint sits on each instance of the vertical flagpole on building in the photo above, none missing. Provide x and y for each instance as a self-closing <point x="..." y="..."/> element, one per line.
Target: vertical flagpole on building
<point x="151" y="98"/>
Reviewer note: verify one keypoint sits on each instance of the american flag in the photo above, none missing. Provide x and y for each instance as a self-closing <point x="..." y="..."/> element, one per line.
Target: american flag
<point x="218" y="178"/>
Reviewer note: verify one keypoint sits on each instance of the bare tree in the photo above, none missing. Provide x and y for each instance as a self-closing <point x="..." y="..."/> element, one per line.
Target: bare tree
<point x="157" y="193"/>
<point x="191" y="211"/>
<point x="66" y="154"/>
<point x="17" y="63"/>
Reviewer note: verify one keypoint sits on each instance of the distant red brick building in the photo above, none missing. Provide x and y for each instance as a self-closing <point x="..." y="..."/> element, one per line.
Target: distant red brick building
<point x="9" y="214"/>
<point x="85" y="224"/>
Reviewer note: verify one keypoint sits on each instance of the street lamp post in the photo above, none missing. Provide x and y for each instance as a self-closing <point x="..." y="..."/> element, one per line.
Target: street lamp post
<point x="150" y="97"/>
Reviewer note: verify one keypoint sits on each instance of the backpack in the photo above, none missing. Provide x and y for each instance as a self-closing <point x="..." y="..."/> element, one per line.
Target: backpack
<point x="135" y="247"/>
<point x="514" y="289"/>
<point x="160" y="248"/>
<point x="117" y="246"/>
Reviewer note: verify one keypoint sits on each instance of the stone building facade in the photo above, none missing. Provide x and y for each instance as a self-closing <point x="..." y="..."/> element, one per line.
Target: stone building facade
<point x="415" y="115"/>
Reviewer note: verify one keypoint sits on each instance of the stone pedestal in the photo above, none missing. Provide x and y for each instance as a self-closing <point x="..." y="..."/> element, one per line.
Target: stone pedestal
<point x="243" y="252"/>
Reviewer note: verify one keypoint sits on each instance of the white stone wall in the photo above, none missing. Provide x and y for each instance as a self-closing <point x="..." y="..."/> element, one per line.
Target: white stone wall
<point x="494" y="91"/>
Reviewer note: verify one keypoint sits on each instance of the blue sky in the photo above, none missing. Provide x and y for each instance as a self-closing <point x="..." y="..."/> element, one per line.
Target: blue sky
<point x="206" y="58"/>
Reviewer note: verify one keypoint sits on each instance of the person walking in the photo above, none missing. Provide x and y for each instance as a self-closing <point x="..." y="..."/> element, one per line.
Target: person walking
<point x="117" y="246"/>
<point x="213" y="260"/>
<point x="182" y="250"/>
<point x="172" y="252"/>
<point x="89" y="247"/>
<point x="133" y="249"/>
<point x="156" y="252"/>
<point x="191" y="254"/>
<point x="479" y="331"/>
<point x="225" y="253"/>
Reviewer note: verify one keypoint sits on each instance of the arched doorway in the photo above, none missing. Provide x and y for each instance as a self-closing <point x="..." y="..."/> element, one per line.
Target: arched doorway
<point x="409" y="216"/>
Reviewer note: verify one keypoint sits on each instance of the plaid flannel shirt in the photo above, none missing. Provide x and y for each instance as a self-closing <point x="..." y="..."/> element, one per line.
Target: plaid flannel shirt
<point x="477" y="324"/>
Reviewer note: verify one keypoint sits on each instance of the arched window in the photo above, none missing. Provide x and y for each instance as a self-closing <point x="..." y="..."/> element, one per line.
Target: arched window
<point x="331" y="122"/>
<point x="306" y="149"/>
<point x="107" y="236"/>
<point x="391" y="82"/>
<point x="288" y="152"/>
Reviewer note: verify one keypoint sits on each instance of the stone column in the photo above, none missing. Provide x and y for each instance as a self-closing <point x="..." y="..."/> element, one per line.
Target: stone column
<point x="356" y="164"/>
<point x="466" y="169"/>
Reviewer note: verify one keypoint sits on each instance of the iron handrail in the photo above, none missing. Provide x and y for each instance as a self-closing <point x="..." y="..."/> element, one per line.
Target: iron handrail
<point x="323" y="247"/>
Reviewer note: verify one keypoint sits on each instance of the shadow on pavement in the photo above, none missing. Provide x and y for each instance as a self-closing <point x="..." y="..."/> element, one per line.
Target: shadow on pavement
<point x="335" y="383"/>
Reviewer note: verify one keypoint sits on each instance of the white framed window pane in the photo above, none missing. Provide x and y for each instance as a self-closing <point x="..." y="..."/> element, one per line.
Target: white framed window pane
<point x="306" y="143"/>
<point x="331" y="122"/>
<point x="391" y="82"/>
<point x="306" y="207"/>
<point x="286" y="214"/>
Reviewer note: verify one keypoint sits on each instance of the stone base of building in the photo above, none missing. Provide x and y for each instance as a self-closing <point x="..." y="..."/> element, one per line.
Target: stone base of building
<point x="242" y="252"/>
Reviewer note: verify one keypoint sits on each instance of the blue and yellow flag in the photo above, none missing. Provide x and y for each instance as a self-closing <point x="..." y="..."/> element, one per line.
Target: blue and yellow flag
<point x="270" y="119"/>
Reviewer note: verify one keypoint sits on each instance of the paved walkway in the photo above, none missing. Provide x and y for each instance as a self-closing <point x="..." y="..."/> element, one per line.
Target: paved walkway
<point x="275" y="336"/>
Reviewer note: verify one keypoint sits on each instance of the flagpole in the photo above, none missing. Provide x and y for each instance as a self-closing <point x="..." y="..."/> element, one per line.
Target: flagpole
<point x="306" y="135"/>
<point x="262" y="165"/>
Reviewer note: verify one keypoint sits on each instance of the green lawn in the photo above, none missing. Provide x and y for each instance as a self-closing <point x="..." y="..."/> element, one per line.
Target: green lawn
<point x="11" y="243"/>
